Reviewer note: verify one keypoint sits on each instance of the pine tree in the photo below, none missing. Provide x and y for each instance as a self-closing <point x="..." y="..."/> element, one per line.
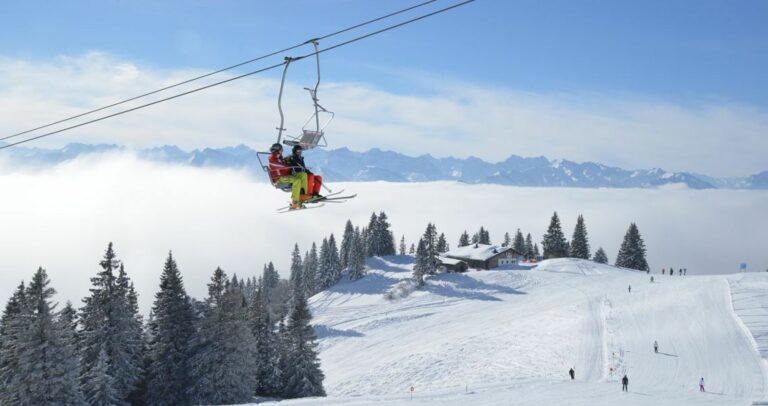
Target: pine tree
<point x="310" y="272"/>
<point x="529" y="248"/>
<point x="323" y="266"/>
<point x="519" y="243"/>
<point x="580" y="241"/>
<point x="632" y="252"/>
<point x="11" y="328"/>
<point x="303" y="376"/>
<point x="401" y="250"/>
<point x="47" y="371"/>
<point x="346" y="244"/>
<point x="270" y="277"/>
<point x="372" y="237"/>
<point x="110" y="323"/>
<point x="420" y="266"/>
<point x="554" y="243"/>
<point x="536" y="252"/>
<point x="171" y="332"/>
<point x="430" y="239"/>
<point x="334" y="264"/>
<point x="464" y="239"/>
<point x="224" y="365"/>
<point x="386" y="240"/>
<point x="297" y="269"/>
<point x="99" y="386"/>
<point x="356" y="267"/>
<point x="442" y="244"/>
<point x="600" y="256"/>
<point x="412" y="250"/>
<point x="268" y="374"/>
<point x="507" y="240"/>
<point x="483" y="236"/>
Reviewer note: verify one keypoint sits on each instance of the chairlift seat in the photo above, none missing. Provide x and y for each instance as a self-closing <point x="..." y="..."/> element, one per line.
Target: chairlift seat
<point x="309" y="139"/>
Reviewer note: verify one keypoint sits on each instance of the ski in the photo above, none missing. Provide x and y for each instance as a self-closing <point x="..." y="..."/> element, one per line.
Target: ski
<point x="331" y="198"/>
<point x="287" y="209"/>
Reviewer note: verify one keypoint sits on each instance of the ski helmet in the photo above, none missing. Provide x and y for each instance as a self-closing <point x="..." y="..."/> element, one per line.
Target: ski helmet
<point x="297" y="148"/>
<point x="276" y="147"/>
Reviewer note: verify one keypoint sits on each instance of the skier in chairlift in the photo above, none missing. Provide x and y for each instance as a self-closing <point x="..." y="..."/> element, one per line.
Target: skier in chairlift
<point x="280" y="171"/>
<point x="314" y="182"/>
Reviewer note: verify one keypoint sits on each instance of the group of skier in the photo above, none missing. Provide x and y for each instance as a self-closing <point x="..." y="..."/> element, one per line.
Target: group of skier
<point x="625" y="379"/>
<point x="680" y="271"/>
<point x="305" y="185"/>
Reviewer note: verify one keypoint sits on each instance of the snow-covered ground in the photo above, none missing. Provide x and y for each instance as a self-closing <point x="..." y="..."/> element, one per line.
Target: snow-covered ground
<point x="510" y="336"/>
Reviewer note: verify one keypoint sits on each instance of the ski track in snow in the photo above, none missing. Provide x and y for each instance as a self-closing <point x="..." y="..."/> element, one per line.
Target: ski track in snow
<point x="510" y="336"/>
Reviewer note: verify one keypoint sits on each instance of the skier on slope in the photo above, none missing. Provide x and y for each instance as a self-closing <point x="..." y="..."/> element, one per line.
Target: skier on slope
<point x="629" y="289"/>
<point x="701" y="385"/>
<point x="651" y="279"/>
<point x="655" y="346"/>
<point x="663" y="270"/>
<point x="625" y="383"/>
<point x="314" y="182"/>
<point x="280" y="171"/>
<point x="572" y="373"/>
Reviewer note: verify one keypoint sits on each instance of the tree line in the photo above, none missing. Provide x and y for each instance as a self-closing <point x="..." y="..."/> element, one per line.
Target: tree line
<point x="248" y="337"/>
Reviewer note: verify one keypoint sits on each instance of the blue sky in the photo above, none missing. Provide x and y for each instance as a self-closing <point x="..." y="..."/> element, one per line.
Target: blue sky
<point x="580" y="80"/>
<point x="684" y="51"/>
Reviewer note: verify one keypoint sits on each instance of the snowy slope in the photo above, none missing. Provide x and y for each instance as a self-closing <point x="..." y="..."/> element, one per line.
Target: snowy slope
<point x="510" y="336"/>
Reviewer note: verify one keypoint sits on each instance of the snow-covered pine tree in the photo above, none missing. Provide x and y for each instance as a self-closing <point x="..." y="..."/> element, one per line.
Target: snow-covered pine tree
<point x="171" y="332"/>
<point x="356" y="267"/>
<point x="297" y="269"/>
<point x="483" y="236"/>
<point x="11" y="325"/>
<point x="223" y="367"/>
<point x="600" y="256"/>
<point x="401" y="249"/>
<point x="519" y="243"/>
<point x="464" y="239"/>
<point x="580" y="240"/>
<point x="421" y="263"/>
<point x="303" y="376"/>
<point x="554" y="243"/>
<point x="268" y="374"/>
<point x="372" y="240"/>
<point x="346" y="243"/>
<point x="310" y="272"/>
<point x="47" y="370"/>
<point x="334" y="264"/>
<point x="412" y="250"/>
<point x="109" y="323"/>
<point x="528" y="247"/>
<point x="386" y="240"/>
<point x="99" y="385"/>
<point x="536" y="252"/>
<point x="270" y="277"/>
<point x="632" y="252"/>
<point x="507" y="240"/>
<point x="475" y="238"/>
<point x="132" y="340"/>
<point x="323" y="266"/>
<point x="442" y="244"/>
<point x="430" y="239"/>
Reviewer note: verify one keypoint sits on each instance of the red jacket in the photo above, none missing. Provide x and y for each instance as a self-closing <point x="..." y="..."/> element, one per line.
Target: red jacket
<point x="278" y="167"/>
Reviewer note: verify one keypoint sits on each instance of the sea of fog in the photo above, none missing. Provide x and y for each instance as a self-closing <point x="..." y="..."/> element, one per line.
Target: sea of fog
<point x="62" y="218"/>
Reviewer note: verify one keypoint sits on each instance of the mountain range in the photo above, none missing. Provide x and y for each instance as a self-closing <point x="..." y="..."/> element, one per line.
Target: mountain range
<point x="377" y="165"/>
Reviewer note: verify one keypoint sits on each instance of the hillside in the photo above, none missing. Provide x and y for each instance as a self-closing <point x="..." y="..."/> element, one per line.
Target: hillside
<point x="494" y="337"/>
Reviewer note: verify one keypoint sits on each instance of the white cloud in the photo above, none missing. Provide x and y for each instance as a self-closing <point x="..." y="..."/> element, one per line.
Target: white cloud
<point x="62" y="218"/>
<point x="720" y="139"/>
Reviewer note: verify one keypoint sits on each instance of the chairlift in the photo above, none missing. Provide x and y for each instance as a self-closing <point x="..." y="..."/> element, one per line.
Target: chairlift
<point x="312" y="132"/>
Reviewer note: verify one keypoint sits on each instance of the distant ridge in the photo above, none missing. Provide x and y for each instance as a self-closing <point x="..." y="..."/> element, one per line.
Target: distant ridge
<point x="377" y="165"/>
